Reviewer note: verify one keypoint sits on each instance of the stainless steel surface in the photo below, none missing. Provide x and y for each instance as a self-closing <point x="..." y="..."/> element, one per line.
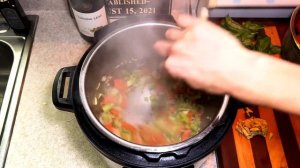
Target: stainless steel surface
<point x="290" y="45"/>
<point x="100" y="127"/>
<point x="6" y="58"/>
<point x="14" y="55"/>
<point x="292" y="25"/>
<point x="3" y="27"/>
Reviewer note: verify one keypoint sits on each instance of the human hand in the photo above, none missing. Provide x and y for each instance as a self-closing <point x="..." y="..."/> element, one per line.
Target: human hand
<point x="203" y="54"/>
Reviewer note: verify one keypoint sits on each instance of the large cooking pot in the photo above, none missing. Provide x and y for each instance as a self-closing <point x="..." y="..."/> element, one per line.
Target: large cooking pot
<point x="118" y="44"/>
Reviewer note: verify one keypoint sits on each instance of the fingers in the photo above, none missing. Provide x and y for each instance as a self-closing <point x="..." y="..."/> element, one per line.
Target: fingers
<point x="184" y="20"/>
<point x="203" y="14"/>
<point x="163" y="47"/>
<point x="173" y="66"/>
<point x="173" y="34"/>
<point x="177" y="68"/>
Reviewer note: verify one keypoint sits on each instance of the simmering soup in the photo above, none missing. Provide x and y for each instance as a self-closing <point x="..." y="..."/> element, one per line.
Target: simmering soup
<point x="149" y="108"/>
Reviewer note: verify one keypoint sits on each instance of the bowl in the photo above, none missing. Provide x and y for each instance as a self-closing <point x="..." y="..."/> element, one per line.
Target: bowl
<point x="291" y="47"/>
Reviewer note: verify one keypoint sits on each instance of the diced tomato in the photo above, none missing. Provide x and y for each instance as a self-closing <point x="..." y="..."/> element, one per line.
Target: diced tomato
<point x="298" y="38"/>
<point x="190" y="116"/>
<point x="120" y="85"/>
<point x="129" y="127"/>
<point x="186" y="135"/>
<point x="115" y="112"/>
<point x="159" y="139"/>
<point x="124" y="102"/>
<point x="152" y="137"/>
<point x="146" y="134"/>
<point x="136" y="138"/>
<point x="112" y="129"/>
<point x="109" y="99"/>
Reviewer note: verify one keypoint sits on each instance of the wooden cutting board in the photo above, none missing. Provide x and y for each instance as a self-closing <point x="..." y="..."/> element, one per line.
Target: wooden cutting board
<point x="280" y="150"/>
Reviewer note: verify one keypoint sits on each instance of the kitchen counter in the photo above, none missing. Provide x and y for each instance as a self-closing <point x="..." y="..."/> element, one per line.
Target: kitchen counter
<point x="44" y="136"/>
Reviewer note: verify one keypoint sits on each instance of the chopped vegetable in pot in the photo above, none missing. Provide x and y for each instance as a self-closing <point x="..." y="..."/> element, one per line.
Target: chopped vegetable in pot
<point x="175" y="108"/>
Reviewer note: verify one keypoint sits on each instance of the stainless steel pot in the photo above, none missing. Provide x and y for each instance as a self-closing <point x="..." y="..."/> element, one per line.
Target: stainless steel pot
<point x="132" y="43"/>
<point x="120" y="43"/>
<point x="291" y="47"/>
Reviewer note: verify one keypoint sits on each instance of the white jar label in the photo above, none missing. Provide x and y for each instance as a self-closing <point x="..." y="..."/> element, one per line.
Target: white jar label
<point x="88" y="23"/>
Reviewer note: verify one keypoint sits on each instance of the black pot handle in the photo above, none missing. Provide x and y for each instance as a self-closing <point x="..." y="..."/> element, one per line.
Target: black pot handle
<point x="62" y="98"/>
<point x="155" y="157"/>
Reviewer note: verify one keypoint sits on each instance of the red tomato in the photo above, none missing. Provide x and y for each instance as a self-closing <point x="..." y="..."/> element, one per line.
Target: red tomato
<point x="151" y="136"/>
<point x="298" y="38"/>
<point x="112" y="129"/>
<point x="115" y="112"/>
<point x="186" y="135"/>
<point x="137" y="138"/>
<point x="109" y="99"/>
<point x="120" y="85"/>
<point x="190" y="116"/>
<point x="124" y="102"/>
<point x="129" y="127"/>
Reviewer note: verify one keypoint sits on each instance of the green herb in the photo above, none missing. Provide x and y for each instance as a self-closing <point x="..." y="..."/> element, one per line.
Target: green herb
<point x="251" y="35"/>
<point x="275" y="50"/>
<point x="263" y="44"/>
<point x="232" y="25"/>
<point x="254" y="27"/>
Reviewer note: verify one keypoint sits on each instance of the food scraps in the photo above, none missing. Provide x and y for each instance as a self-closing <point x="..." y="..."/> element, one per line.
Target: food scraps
<point x="252" y="127"/>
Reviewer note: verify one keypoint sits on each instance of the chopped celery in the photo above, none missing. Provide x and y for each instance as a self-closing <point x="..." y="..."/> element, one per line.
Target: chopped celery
<point x="106" y="118"/>
<point x="195" y="126"/>
<point x="126" y="135"/>
<point x="132" y="80"/>
<point x="106" y="108"/>
<point x="117" y="122"/>
<point x="183" y="116"/>
<point x="114" y="91"/>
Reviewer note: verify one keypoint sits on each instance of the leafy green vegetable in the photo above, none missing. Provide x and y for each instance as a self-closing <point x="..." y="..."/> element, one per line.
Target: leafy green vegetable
<point x="254" y="27"/>
<point x="232" y="25"/>
<point x="275" y="50"/>
<point x="251" y="35"/>
<point x="263" y="44"/>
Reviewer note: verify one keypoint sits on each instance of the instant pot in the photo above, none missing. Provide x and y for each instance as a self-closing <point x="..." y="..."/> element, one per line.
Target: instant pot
<point x="120" y="42"/>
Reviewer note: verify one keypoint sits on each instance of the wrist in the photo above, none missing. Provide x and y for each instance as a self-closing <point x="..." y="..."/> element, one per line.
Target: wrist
<point x="246" y="74"/>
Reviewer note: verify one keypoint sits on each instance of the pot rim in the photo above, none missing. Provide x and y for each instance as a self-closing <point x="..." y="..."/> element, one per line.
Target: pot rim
<point x="292" y="25"/>
<point x="122" y="142"/>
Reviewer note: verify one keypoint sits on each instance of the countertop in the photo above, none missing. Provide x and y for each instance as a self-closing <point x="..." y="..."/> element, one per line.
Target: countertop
<point x="44" y="136"/>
